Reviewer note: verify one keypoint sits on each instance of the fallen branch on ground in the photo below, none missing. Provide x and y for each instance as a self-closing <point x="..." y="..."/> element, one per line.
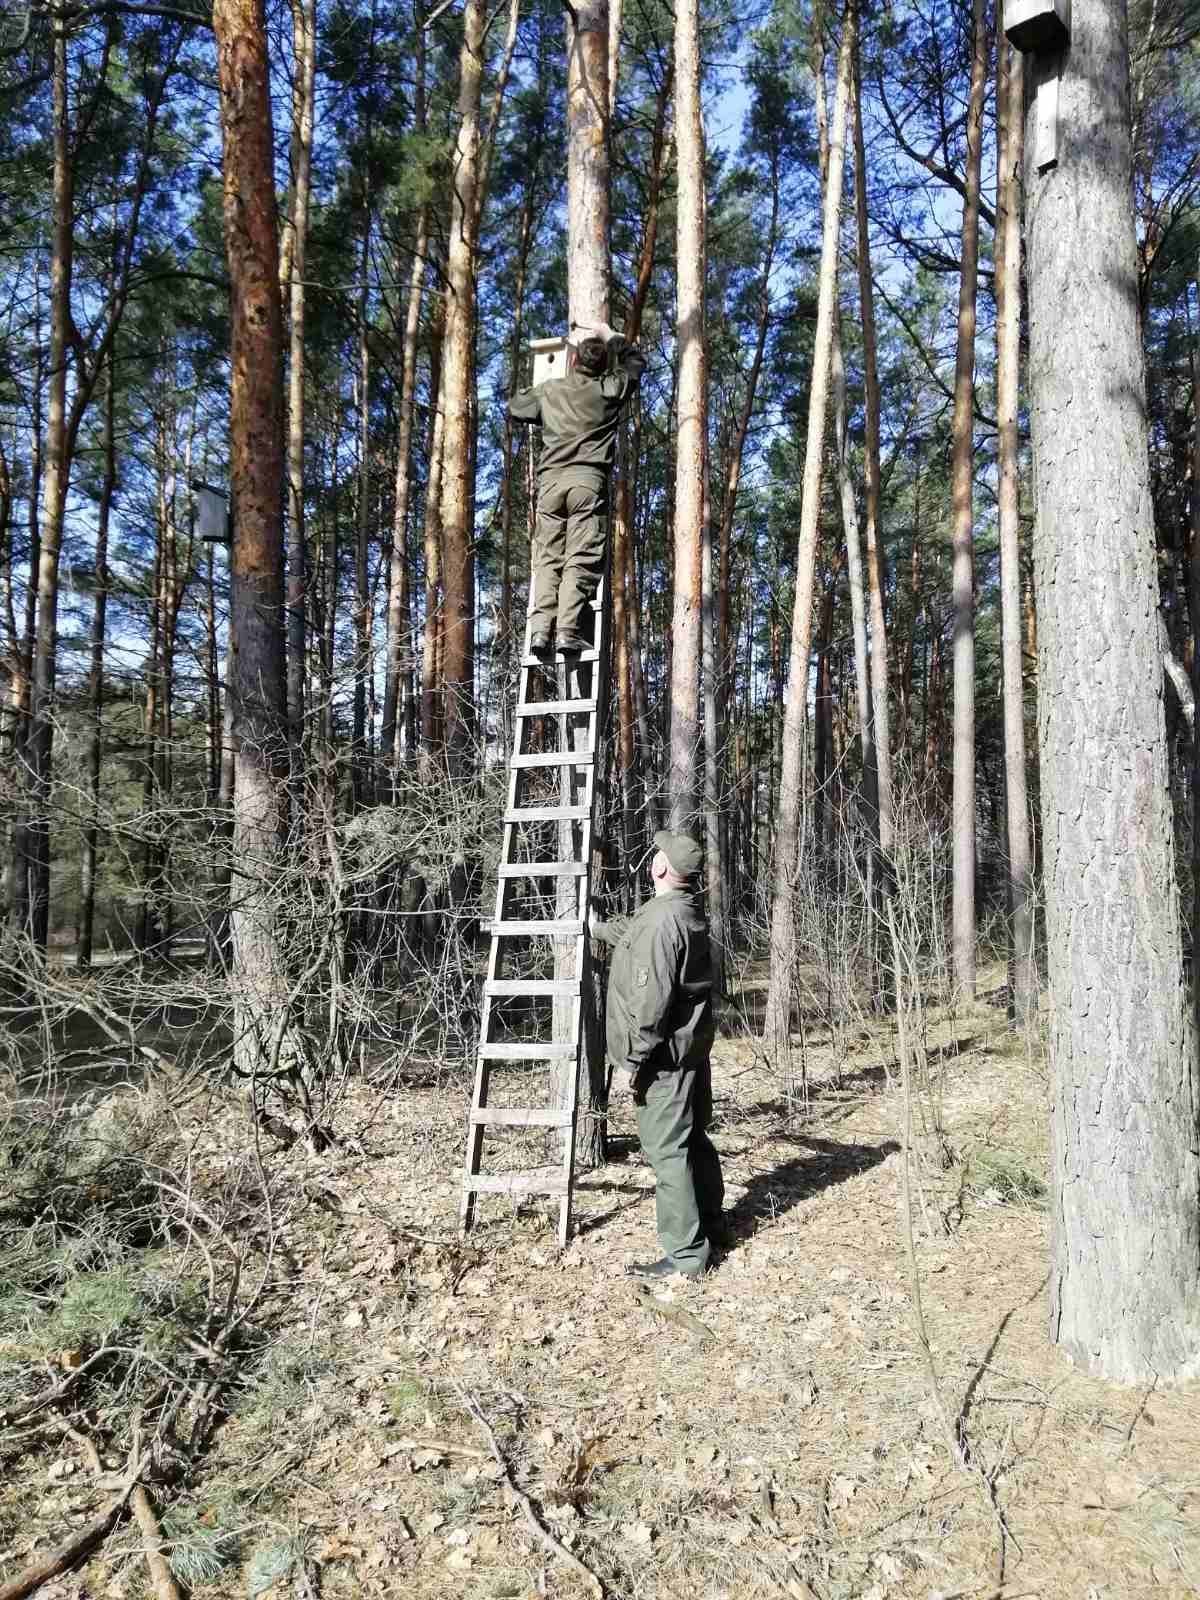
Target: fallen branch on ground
<point x="526" y="1504"/>
<point x="161" y="1578"/>
<point x="81" y="1543"/>
<point x="51" y="1396"/>
<point x="680" y="1315"/>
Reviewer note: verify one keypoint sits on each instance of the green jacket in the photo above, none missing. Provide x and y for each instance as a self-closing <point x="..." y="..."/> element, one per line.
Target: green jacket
<point x="579" y="416"/>
<point x="660" y="1011"/>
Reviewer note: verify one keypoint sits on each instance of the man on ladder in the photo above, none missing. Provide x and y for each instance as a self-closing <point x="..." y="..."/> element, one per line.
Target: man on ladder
<point x="579" y="415"/>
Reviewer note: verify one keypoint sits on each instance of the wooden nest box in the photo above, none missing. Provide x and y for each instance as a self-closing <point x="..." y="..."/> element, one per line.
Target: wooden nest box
<point x="549" y="359"/>
<point x="212" y="513"/>
<point x="1037" y="25"/>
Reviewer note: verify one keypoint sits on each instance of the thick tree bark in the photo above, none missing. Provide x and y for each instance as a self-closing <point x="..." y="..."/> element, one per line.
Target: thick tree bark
<point x="876" y="578"/>
<point x="33" y="862"/>
<point x="1010" y="114"/>
<point x="360" y="760"/>
<point x="1125" y="1252"/>
<point x="858" y="605"/>
<point x="94" y="748"/>
<point x="625" y="621"/>
<point x="304" y="33"/>
<point x="1194" y="615"/>
<point x="962" y="481"/>
<point x="457" y="682"/>
<point x="691" y="434"/>
<point x="398" y="660"/>
<point x="587" y="296"/>
<point x="795" y="726"/>
<point x="258" y="712"/>
<point x="587" y="164"/>
<point x="431" y="703"/>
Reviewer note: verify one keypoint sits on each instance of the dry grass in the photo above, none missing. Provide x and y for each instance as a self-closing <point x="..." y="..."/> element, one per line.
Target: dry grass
<point x="800" y="1454"/>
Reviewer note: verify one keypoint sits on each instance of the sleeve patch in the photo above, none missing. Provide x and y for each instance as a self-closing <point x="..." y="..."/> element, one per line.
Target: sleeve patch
<point x="642" y="977"/>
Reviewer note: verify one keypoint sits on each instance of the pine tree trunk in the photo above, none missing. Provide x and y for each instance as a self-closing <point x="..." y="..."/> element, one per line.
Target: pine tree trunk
<point x="691" y="433"/>
<point x="398" y="660"/>
<point x="33" y="863"/>
<point x="1125" y="1251"/>
<point x="304" y="33"/>
<point x="876" y="576"/>
<point x="431" y="696"/>
<point x="359" y="764"/>
<point x="587" y="295"/>
<point x="457" y="679"/>
<point x="94" y="749"/>
<point x="858" y="605"/>
<point x="1010" y="113"/>
<point x="795" y="726"/>
<point x="962" y="479"/>
<point x="258" y="710"/>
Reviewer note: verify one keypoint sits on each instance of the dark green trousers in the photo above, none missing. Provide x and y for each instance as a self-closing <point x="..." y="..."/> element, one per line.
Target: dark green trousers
<point x="674" y="1112"/>
<point x="568" y="548"/>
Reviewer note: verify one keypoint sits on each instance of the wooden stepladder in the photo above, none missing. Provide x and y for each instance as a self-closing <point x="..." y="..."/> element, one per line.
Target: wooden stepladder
<point x="535" y="992"/>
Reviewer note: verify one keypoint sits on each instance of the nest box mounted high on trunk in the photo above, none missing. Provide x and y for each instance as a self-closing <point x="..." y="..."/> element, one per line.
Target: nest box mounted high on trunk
<point x="549" y="359"/>
<point x="1041" y="29"/>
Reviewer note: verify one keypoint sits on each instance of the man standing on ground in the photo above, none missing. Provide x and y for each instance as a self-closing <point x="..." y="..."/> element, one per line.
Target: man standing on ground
<point x="660" y="1031"/>
<point x="579" y="415"/>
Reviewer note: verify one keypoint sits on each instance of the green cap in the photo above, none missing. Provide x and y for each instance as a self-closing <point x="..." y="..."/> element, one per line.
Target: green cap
<point x="681" y="851"/>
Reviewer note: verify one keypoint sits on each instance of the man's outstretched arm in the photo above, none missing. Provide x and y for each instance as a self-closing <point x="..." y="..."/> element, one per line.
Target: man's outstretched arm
<point x="526" y="406"/>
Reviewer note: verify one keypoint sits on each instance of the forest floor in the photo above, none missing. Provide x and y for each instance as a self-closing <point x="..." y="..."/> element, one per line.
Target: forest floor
<point x="775" y="1433"/>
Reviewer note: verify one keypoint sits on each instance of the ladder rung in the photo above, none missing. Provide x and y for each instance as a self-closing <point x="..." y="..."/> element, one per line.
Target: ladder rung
<point x="542" y="1180"/>
<point x="501" y="930"/>
<point x="497" y="987"/>
<point x="554" y="758"/>
<point x="556" y="708"/>
<point x="571" y="657"/>
<point x="543" y="869"/>
<point x="518" y="1117"/>
<point x="549" y="814"/>
<point x="527" y="1052"/>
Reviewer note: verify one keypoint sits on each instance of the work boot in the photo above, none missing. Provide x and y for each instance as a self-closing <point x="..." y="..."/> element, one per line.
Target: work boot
<point x="719" y="1233"/>
<point x="539" y="645"/>
<point x="571" y="644"/>
<point x="664" y="1268"/>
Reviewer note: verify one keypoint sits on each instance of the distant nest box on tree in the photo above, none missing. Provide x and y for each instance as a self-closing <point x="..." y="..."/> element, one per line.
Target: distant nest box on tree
<point x="1037" y="25"/>
<point x="212" y="513"/>
<point x="549" y="359"/>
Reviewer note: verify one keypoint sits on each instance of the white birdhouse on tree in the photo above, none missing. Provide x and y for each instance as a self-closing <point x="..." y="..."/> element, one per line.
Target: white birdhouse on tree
<point x="549" y="359"/>
<point x="1036" y="25"/>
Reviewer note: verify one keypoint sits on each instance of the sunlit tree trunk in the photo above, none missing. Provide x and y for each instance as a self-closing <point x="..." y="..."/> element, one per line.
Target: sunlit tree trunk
<point x="258" y="711"/>
<point x="962" y="482"/>
<point x="587" y="41"/>
<point x="691" y="434"/>
<point x="359" y="768"/>
<point x="33" y="840"/>
<point x="457" y="678"/>
<point x="1125" y="1227"/>
<point x="1010" y="114"/>
<point x="795" y="725"/>
<point x="431" y="700"/>
<point x="304" y="34"/>
<point x="872" y="536"/>
<point x="94" y="748"/>
<point x="398" y="660"/>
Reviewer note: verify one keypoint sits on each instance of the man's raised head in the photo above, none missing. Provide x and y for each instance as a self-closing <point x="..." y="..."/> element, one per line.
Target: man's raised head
<point x="677" y="859"/>
<point x="590" y="357"/>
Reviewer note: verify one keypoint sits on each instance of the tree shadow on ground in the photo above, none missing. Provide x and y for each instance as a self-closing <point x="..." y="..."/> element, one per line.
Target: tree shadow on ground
<point x="770" y="1194"/>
